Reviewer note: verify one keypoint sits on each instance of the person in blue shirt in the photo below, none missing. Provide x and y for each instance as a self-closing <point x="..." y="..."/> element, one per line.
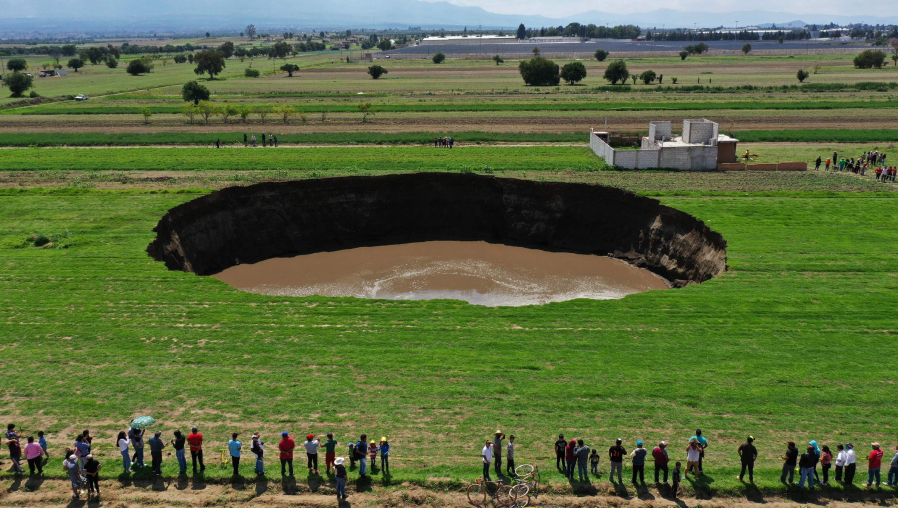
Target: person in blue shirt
<point x="156" y="446"/>
<point x="234" y="448"/>
<point x="384" y="455"/>
<point x="361" y="447"/>
<point x="703" y="443"/>
<point x="41" y="440"/>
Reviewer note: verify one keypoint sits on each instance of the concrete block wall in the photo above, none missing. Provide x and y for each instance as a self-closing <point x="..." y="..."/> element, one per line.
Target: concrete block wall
<point x="699" y="131"/>
<point x="601" y="149"/>
<point x="659" y="130"/>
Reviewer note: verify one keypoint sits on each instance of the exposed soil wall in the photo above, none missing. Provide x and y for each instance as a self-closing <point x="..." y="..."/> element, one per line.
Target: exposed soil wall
<point x="251" y="224"/>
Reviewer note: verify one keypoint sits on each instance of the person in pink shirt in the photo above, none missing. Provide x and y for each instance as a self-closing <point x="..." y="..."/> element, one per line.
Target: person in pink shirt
<point x="33" y="454"/>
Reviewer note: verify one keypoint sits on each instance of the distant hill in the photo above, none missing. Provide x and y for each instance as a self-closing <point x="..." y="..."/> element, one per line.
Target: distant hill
<point x="201" y="15"/>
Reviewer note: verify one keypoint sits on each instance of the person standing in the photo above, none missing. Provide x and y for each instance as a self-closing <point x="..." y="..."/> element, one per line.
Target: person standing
<point x="361" y="447"/>
<point x="638" y="456"/>
<point x="384" y="455"/>
<point x="817" y="163"/>
<point x="509" y="462"/>
<point x="560" y="444"/>
<point x="82" y="449"/>
<point x="244" y="140"/>
<point x="41" y="440"/>
<point x="312" y="445"/>
<point x="582" y="453"/>
<point x="11" y="432"/>
<point x="156" y="446"/>
<point x="340" y="472"/>
<point x="137" y="443"/>
<point x="73" y="468"/>
<point x="892" y="479"/>
<point x="874" y="464"/>
<point x="234" y="447"/>
<point x="594" y="463"/>
<point x="806" y="465"/>
<point x="693" y="455"/>
<point x="571" y="459"/>
<point x="790" y="459"/>
<point x="195" y="439"/>
<point x="659" y="454"/>
<point x="286" y="447"/>
<point x="330" y="452"/>
<point x="263" y="140"/>
<point x="487" y="456"/>
<point x="33" y="453"/>
<point x="616" y="457"/>
<point x="826" y="462"/>
<point x="498" y="436"/>
<point x="178" y="444"/>
<point x="258" y="449"/>
<point x="15" y="455"/>
<point x="676" y="480"/>
<point x="703" y="444"/>
<point x="850" y="463"/>
<point x="748" y="454"/>
<point x="275" y="140"/>
<point x="840" y="462"/>
<point x="92" y="472"/>
<point x="123" y="444"/>
<point x="254" y="140"/>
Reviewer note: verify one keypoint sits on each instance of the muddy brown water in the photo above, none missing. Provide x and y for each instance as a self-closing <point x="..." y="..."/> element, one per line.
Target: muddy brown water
<point x="477" y="272"/>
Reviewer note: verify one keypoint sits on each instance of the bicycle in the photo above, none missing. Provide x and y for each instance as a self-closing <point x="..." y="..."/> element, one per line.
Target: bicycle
<point x="526" y="481"/>
<point x="500" y="494"/>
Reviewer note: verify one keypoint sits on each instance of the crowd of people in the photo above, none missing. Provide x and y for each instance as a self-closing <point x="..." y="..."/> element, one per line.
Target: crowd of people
<point x="444" y="142"/>
<point x="83" y="468"/>
<point x="872" y="161"/>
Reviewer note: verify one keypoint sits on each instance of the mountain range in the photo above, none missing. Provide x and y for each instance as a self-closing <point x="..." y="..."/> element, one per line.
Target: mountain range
<point x="202" y="15"/>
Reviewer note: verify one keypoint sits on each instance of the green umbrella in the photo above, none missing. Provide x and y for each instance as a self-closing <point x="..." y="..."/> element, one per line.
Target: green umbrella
<point x="142" y="422"/>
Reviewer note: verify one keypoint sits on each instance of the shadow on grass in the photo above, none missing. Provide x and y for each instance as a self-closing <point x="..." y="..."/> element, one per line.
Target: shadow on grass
<point x="288" y="485"/>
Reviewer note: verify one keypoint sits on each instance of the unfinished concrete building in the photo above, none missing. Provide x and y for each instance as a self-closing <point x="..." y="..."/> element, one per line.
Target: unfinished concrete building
<point x="700" y="148"/>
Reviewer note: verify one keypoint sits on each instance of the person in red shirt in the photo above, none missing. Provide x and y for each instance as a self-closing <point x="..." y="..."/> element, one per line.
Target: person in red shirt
<point x="875" y="462"/>
<point x="195" y="440"/>
<point x="286" y="447"/>
<point x="661" y="459"/>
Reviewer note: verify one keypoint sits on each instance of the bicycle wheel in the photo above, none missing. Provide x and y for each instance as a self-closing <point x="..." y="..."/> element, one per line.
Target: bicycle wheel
<point x="523" y="470"/>
<point x="476" y="494"/>
<point x="521" y="493"/>
<point x="506" y="496"/>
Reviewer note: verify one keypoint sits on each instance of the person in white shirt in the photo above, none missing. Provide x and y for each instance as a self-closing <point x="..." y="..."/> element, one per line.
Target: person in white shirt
<point x="312" y="445"/>
<point x="123" y="444"/>
<point x="840" y="462"/>
<point x="487" y="456"/>
<point x="850" y="464"/>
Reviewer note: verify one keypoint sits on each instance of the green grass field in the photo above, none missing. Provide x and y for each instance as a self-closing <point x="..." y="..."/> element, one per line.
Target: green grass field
<point x="794" y="342"/>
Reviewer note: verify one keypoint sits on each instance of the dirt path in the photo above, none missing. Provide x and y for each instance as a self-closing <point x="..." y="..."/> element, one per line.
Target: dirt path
<point x="187" y="493"/>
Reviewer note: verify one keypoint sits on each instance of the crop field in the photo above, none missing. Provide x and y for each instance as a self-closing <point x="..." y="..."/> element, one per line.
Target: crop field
<point x="795" y="341"/>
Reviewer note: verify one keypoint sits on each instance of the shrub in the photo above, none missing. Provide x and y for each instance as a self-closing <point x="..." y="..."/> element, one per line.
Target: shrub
<point x="498" y="59"/>
<point x="139" y="66"/>
<point x="112" y="63"/>
<point x="648" y="77"/>
<point x="802" y="75"/>
<point x="207" y="110"/>
<point x="573" y="72"/>
<point x="746" y="49"/>
<point x="251" y="73"/>
<point x="18" y="83"/>
<point x="190" y="111"/>
<point x="539" y="71"/>
<point x="601" y="55"/>
<point x="673" y="80"/>
<point x="180" y="58"/>
<point x="617" y="72"/>
<point x="376" y="71"/>
<point x="366" y="109"/>
<point x="439" y="57"/>
<point x="194" y="92"/>
<point x="147" y="113"/>
<point x="870" y="59"/>
<point x="683" y="55"/>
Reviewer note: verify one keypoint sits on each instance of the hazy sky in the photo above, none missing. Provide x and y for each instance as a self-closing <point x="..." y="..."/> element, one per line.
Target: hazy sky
<point x="560" y="8"/>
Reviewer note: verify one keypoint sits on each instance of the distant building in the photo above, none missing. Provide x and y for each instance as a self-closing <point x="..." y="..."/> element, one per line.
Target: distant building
<point x="473" y="40"/>
<point x="53" y="72"/>
<point x="700" y="148"/>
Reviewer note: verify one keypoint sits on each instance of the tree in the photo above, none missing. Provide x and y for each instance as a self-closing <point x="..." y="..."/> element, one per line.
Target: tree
<point x="194" y="92"/>
<point x="366" y="109"/>
<point x="112" y="63"/>
<point x="190" y="111"/>
<point x="68" y="50"/>
<point x="498" y="59"/>
<point x="439" y="57"/>
<point x="226" y="49"/>
<point x="207" y="110"/>
<point x="802" y="75"/>
<point x="263" y="112"/>
<point x="180" y="58"/>
<point x="539" y="71"/>
<point x="522" y="32"/>
<point x="250" y="31"/>
<point x="290" y="69"/>
<point x="746" y="49"/>
<point x="147" y="113"/>
<point x="634" y="77"/>
<point x="280" y="50"/>
<point x="535" y="51"/>
<point x="227" y="110"/>
<point x="683" y="55"/>
<point x="285" y="112"/>
<point x="18" y="82"/>
<point x="617" y="71"/>
<point x="209" y="61"/>
<point x="385" y="44"/>
<point x="573" y="72"/>
<point x="870" y="59"/>
<point x="208" y="35"/>
<point x="75" y="63"/>
<point x="139" y="66"/>
<point x="16" y="64"/>
<point x="648" y="77"/>
<point x="55" y="53"/>
<point x="251" y="73"/>
<point x="244" y="112"/>
<point x="376" y="71"/>
<point x="601" y="55"/>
